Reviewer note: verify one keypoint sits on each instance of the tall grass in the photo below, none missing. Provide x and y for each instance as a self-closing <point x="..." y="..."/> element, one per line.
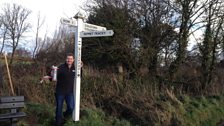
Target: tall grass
<point x="141" y="100"/>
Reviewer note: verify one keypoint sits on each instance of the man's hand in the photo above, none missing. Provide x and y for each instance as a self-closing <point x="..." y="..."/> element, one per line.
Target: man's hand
<point x="45" y="78"/>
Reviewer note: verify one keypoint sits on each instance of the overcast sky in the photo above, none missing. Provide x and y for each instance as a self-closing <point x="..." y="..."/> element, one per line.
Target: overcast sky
<point x="51" y="10"/>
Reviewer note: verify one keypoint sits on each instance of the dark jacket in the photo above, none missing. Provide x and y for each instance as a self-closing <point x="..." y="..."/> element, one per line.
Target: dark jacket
<point x="65" y="79"/>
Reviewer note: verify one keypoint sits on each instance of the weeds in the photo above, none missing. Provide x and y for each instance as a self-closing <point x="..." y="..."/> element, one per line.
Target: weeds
<point x="114" y="99"/>
<point x="89" y="117"/>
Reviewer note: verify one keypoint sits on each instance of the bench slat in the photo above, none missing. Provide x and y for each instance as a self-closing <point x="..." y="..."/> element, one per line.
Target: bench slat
<point x="12" y="105"/>
<point x="12" y="115"/>
<point x="8" y="99"/>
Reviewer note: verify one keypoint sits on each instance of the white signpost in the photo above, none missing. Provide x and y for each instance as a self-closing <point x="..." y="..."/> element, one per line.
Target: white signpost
<point x="82" y="30"/>
<point x="69" y="22"/>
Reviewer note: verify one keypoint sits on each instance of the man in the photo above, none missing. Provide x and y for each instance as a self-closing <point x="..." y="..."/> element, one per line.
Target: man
<point x="64" y="89"/>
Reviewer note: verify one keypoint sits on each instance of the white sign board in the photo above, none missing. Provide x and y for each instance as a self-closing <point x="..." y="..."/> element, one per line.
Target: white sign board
<point x="91" y="27"/>
<point x="96" y="33"/>
<point x="68" y="22"/>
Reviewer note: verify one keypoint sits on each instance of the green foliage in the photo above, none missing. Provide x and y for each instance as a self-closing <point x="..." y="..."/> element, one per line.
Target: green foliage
<point x="115" y="49"/>
<point x="92" y="118"/>
<point x="201" y="111"/>
<point x="204" y="111"/>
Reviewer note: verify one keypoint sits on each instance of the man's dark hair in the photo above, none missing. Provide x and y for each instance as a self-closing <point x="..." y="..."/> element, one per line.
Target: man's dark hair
<point x="69" y="54"/>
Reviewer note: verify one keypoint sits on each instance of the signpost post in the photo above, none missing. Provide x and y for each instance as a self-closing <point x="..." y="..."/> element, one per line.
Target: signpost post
<point x="82" y="30"/>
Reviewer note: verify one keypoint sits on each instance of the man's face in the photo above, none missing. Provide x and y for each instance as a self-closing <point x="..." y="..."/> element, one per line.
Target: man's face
<point x="69" y="60"/>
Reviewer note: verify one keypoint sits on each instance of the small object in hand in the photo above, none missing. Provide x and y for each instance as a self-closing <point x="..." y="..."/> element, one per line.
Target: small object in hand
<point x="54" y="73"/>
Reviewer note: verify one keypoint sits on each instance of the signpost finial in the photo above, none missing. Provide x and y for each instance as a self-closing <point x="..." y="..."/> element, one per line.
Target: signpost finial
<point x="79" y="15"/>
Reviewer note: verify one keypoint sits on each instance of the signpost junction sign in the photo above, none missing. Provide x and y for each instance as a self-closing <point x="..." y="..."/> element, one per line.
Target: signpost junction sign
<point x="82" y="30"/>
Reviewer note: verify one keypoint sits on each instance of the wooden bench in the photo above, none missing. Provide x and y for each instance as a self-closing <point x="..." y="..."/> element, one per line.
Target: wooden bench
<point x="10" y="108"/>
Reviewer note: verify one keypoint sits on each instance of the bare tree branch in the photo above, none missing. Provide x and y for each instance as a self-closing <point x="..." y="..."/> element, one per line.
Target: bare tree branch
<point x="14" y="19"/>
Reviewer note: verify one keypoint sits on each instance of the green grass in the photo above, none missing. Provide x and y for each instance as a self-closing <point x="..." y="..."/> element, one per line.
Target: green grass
<point x="89" y="117"/>
<point x="92" y="117"/>
<point x="44" y="114"/>
<point x="204" y="111"/>
<point x="191" y="111"/>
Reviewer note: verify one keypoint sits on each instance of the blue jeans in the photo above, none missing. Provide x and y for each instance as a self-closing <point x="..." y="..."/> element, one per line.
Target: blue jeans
<point x="69" y="99"/>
